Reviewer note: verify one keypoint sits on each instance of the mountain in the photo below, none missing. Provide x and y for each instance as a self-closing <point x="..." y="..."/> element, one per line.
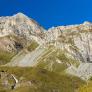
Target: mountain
<point x="16" y="33"/>
<point x="32" y="58"/>
<point x="19" y="26"/>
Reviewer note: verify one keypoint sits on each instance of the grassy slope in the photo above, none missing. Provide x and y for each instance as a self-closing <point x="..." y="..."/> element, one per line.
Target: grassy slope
<point x="86" y="88"/>
<point x="49" y="60"/>
<point x="44" y="81"/>
<point x="5" y="57"/>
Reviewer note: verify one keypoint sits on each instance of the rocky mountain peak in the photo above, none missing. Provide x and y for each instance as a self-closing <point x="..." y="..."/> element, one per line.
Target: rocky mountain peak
<point x="19" y="30"/>
<point x="19" y="24"/>
<point x="20" y="14"/>
<point x="87" y="23"/>
<point x="22" y="17"/>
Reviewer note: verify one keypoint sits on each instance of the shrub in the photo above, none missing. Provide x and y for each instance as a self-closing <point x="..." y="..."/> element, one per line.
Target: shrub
<point x="32" y="46"/>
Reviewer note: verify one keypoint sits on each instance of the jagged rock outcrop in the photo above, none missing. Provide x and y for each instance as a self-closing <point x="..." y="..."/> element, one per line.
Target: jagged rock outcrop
<point x="75" y="39"/>
<point x="9" y="81"/>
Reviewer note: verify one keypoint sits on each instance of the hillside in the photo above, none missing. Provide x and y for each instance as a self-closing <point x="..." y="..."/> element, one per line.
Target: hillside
<point x="38" y="80"/>
<point x="33" y="59"/>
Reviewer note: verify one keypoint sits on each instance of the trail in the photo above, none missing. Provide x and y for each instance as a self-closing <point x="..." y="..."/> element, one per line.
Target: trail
<point x="29" y="59"/>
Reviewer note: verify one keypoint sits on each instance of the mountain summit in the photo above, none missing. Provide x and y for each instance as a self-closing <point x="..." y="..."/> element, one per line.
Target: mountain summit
<point x="20" y="14"/>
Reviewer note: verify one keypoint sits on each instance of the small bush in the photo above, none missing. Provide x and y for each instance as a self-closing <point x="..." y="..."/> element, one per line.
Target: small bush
<point x="32" y="46"/>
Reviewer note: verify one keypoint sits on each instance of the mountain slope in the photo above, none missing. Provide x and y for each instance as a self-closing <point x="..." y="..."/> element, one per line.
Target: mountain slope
<point x="76" y="39"/>
<point x="39" y="80"/>
<point x="56" y="60"/>
<point x="60" y="57"/>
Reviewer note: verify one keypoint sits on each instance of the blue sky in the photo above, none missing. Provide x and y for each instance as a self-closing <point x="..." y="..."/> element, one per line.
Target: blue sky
<point x="50" y="13"/>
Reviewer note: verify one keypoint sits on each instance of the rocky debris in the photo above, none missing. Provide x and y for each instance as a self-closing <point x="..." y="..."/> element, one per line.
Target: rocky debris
<point x="8" y="80"/>
<point x="29" y="59"/>
<point x="84" y="71"/>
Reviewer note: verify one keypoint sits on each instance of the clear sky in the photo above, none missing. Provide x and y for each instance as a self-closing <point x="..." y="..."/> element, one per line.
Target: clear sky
<point x="50" y="13"/>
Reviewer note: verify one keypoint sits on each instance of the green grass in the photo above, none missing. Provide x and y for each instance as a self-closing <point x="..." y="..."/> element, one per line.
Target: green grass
<point x="33" y="45"/>
<point x="43" y="80"/>
<point x="49" y="61"/>
<point x="5" y="57"/>
<point x="86" y="88"/>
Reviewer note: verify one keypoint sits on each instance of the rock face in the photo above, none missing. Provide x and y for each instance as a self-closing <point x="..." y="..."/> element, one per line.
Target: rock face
<point x="19" y="24"/>
<point x="76" y="42"/>
<point x="84" y="71"/>
<point x="75" y="39"/>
